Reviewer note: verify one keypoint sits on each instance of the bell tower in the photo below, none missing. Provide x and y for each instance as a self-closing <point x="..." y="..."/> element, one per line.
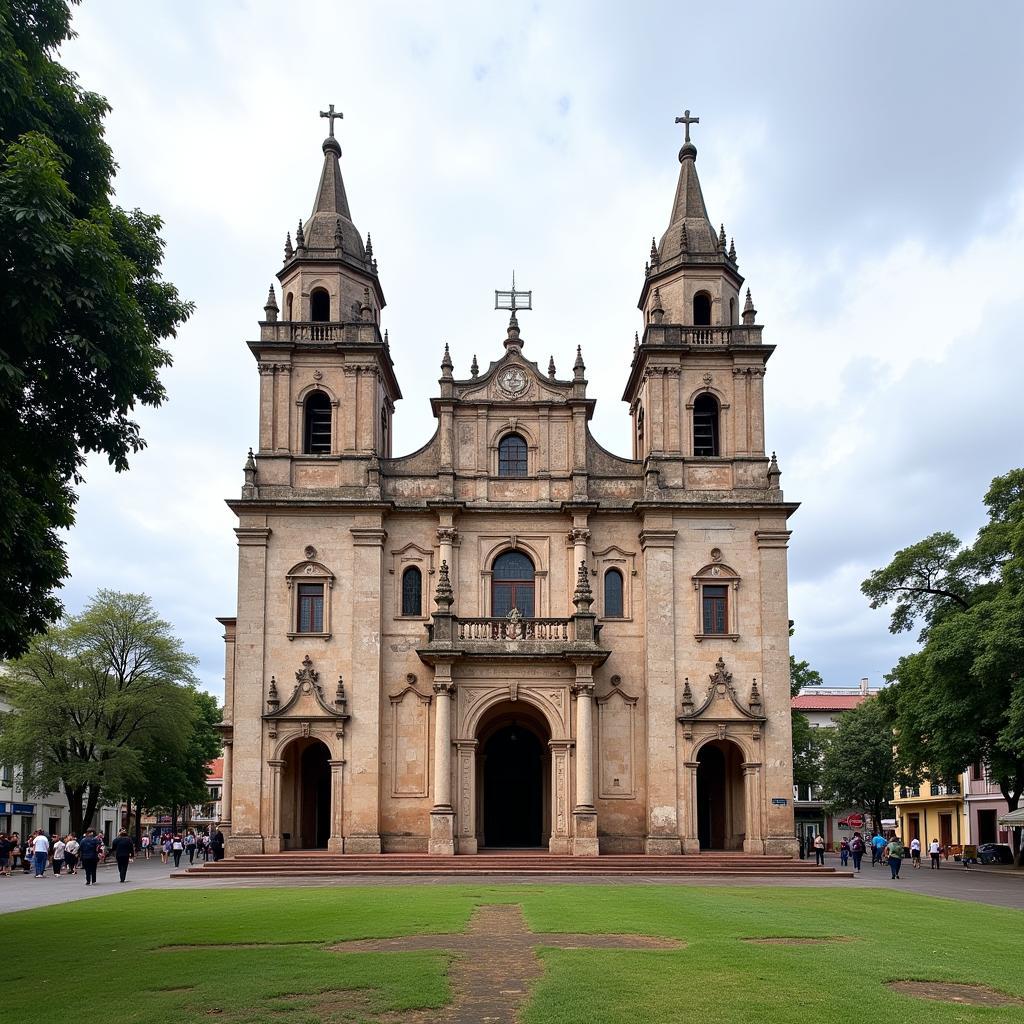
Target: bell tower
<point x="327" y="381"/>
<point x="695" y="389"/>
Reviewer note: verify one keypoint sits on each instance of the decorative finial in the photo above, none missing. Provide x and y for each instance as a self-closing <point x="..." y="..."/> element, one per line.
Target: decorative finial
<point x="636" y="342"/>
<point x="273" y="701"/>
<point x="755" y="695"/>
<point x="647" y="269"/>
<point x="686" y="121"/>
<point x="749" y="313"/>
<point x="578" y="367"/>
<point x="249" y="470"/>
<point x="443" y="594"/>
<point x="338" y="240"/>
<point x="583" y="597"/>
<point x="551" y="367"/>
<point x="684" y="242"/>
<point x="655" y="257"/>
<point x="774" y="474"/>
<point x="387" y="341"/>
<point x="732" y="250"/>
<point x="514" y="299"/>
<point x="288" y="250"/>
<point x="270" y="307"/>
<point x="300" y="237"/>
<point x="512" y="338"/>
<point x="369" y="246"/>
<point x="721" y="238"/>
<point x="340" y="700"/>
<point x="446" y="362"/>
<point x="657" y="311"/>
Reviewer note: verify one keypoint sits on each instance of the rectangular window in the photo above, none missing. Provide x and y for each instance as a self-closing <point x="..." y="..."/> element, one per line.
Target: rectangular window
<point x="714" y="599"/>
<point x="311" y="608"/>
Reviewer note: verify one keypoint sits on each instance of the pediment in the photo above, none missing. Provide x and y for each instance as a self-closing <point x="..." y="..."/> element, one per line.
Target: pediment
<point x="513" y="379"/>
<point x="307" y="700"/>
<point x="720" y="702"/>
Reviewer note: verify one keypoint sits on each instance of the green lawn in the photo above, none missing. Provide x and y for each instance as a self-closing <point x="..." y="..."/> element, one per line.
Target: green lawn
<point x="104" y="956"/>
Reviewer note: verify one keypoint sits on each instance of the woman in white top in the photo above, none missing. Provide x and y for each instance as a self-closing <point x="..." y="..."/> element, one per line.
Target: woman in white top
<point x="59" y="846"/>
<point x="915" y="851"/>
<point x="935" y="849"/>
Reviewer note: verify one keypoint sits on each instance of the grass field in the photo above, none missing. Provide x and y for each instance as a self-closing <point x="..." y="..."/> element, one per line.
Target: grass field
<point x="104" y="957"/>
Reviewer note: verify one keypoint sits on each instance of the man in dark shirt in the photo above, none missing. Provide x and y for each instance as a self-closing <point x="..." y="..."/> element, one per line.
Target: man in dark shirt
<point x="217" y="845"/>
<point x="89" y="848"/>
<point x="124" y="852"/>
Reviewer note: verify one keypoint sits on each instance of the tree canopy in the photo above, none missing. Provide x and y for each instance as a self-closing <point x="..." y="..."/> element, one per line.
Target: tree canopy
<point x="959" y="699"/>
<point x="83" y="305"/>
<point x="93" y="697"/>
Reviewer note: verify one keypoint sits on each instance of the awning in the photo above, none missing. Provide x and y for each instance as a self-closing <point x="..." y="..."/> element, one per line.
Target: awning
<point x="1015" y="819"/>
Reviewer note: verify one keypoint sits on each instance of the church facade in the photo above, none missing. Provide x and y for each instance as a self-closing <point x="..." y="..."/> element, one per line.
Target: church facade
<point x="510" y="637"/>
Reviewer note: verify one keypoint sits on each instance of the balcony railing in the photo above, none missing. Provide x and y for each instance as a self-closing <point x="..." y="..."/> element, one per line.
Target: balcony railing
<point x="309" y="330"/>
<point x="718" y="336"/>
<point x="538" y="630"/>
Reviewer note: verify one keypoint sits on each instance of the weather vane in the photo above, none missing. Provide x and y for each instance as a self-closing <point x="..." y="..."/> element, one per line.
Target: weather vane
<point x="513" y="299"/>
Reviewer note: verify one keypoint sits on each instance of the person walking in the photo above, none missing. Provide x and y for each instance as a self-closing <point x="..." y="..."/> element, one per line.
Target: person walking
<point x="895" y="850"/>
<point x="124" y="852"/>
<point x="877" y="847"/>
<point x="915" y="852"/>
<point x="90" y="850"/>
<point x="71" y="849"/>
<point x="935" y="851"/>
<point x="176" y="849"/>
<point x="819" y="850"/>
<point x="217" y="845"/>
<point x="59" y="851"/>
<point x="17" y="851"/>
<point x="165" y="848"/>
<point x="844" y="851"/>
<point x="190" y="846"/>
<point x="40" y="853"/>
<point x="857" y="850"/>
<point x="6" y="845"/>
<point x="206" y="848"/>
<point x="146" y="851"/>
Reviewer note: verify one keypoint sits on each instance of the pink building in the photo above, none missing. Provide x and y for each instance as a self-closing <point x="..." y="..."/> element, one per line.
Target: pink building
<point x="985" y="806"/>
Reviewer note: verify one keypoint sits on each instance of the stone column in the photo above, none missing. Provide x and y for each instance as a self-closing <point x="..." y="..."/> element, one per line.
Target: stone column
<point x="584" y="814"/>
<point x="273" y="842"/>
<point x="283" y="409"/>
<point x="691" y="840"/>
<point x="752" y="839"/>
<point x="225" y="790"/>
<point x="266" y="406"/>
<point x="442" y="815"/>
<point x="560" y="841"/>
<point x="657" y="540"/>
<point x="336" y="842"/>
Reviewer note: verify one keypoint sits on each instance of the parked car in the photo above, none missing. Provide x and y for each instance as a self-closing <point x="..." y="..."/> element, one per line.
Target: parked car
<point x="995" y="853"/>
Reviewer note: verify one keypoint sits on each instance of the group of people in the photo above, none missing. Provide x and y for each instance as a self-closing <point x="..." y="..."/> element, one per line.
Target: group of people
<point x="66" y="855"/>
<point x="889" y="851"/>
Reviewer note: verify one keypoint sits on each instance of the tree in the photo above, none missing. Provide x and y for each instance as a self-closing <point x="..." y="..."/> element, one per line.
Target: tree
<point x="960" y="697"/>
<point x="91" y="697"/>
<point x="807" y="742"/>
<point x="859" y="764"/>
<point x="83" y="305"/>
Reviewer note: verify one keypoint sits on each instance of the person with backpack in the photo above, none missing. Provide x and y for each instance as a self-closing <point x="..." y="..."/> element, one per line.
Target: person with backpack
<point x="877" y="849"/>
<point x="89" y="848"/>
<point x="857" y="850"/>
<point x="895" y="850"/>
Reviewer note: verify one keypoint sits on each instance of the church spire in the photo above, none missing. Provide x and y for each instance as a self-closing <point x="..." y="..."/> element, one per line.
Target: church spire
<point x="689" y="219"/>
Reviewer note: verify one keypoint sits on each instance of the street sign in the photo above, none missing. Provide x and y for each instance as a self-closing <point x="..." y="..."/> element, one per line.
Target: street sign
<point x="779" y="801"/>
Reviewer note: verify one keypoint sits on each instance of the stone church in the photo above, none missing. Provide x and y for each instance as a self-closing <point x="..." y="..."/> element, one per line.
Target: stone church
<point x="510" y="637"/>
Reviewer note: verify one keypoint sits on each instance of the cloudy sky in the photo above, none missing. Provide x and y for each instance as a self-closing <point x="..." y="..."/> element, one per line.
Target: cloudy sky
<point x="868" y="158"/>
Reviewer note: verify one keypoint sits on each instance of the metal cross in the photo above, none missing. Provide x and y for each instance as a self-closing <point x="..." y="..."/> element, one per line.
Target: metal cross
<point x="332" y="117"/>
<point x="510" y="299"/>
<point x="685" y="120"/>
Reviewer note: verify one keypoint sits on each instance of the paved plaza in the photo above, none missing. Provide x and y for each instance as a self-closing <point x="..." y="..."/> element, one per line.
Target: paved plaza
<point x="996" y="886"/>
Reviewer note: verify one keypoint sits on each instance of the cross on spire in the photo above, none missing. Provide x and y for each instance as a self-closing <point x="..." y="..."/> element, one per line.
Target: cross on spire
<point x="332" y="117"/>
<point x="685" y="121"/>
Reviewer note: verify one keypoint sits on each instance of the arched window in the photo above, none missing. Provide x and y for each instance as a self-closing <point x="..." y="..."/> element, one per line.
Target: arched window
<point x="705" y="425"/>
<point x="412" y="591"/>
<point x="640" y="432"/>
<point x="702" y="309"/>
<point x="317" y="428"/>
<point x="288" y="306"/>
<point x="512" y="456"/>
<point x="512" y="585"/>
<point x="319" y="306"/>
<point x="613" y="594"/>
<point x="732" y="311"/>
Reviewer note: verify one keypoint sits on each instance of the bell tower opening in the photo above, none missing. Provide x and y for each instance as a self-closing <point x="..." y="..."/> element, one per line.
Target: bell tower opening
<point x="702" y="310"/>
<point x="515" y="778"/>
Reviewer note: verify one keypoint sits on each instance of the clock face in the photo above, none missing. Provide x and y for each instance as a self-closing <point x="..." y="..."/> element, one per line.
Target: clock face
<point x="513" y="382"/>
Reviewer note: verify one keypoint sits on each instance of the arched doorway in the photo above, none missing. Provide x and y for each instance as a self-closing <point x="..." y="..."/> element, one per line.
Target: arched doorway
<point x="721" y="812"/>
<point x="306" y="795"/>
<point x="514" y="778"/>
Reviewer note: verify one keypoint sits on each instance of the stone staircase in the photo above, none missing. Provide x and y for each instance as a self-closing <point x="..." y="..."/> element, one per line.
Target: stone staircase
<point x="518" y="863"/>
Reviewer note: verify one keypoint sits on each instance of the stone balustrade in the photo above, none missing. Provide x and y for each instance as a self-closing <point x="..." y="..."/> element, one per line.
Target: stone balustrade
<point x="556" y="631"/>
<point x="701" y="337"/>
<point x="359" y="331"/>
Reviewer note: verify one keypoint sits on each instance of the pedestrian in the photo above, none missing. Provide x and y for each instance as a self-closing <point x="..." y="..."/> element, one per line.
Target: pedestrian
<point x="89" y="848"/>
<point x="176" y="849"/>
<point x="40" y="853"/>
<point x="857" y="850"/>
<point x="217" y="844"/>
<point x="6" y="845"/>
<point x="146" y="851"/>
<point x="877" y="848"/>
<point x="844" y="851"/>
<point x="895" y="850"/>
<point x="915" y="852"/>
<point x="165" y="848"/>
<point x="16" y="850"/>
<point x="124" y="852"/>
<point x="190" y="846"/>
<point x="935" y="850"/>
<point x="206" y="848"/>
<point x="71" y="849"/>
<point x="819" y="849"/>
<point x="59" y="852"/>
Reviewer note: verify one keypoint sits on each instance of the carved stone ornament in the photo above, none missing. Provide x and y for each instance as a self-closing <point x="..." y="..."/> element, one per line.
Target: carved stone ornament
<point x="716" y="554"/>
<point x="708" y="380"/>
<point x="310" y="552"/>
<point x="307" y="702"/>
<point x="318" y="375"/>
<point x="721" y="701"/>
<point x="513" y="382"/>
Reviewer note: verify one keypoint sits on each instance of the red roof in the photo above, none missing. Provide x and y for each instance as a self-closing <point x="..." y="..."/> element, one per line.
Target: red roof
<point x="215" y="770"/>
<point x="814" y="702"/>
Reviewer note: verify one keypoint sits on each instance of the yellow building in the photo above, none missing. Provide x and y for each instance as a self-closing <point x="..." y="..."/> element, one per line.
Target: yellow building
<point x="932" y="810"/>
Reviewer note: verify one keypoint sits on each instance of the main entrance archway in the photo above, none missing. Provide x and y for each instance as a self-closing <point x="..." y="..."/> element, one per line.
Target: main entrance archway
<point x="721" y="817"/>
<point x="306" y="795"/>
<point x="514" y="780"/>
